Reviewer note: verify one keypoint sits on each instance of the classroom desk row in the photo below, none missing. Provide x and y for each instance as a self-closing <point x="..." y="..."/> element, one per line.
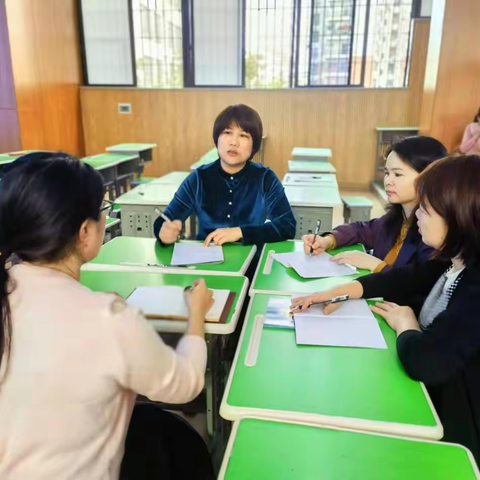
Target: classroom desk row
<point x="279" y="382"/>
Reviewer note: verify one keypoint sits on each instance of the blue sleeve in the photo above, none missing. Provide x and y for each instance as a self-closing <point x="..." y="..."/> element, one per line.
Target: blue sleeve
<point x="182" y="205"/>
<point x="282" y="224"/>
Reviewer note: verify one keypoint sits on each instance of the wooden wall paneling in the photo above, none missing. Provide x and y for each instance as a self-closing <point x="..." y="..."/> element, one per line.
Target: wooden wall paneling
<point x="181" y="121"/>
<point x="456" y="97"/>
<point x="47" y="72"/>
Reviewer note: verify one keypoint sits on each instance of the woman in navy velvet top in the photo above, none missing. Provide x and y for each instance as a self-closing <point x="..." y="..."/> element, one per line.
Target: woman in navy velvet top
<point x="232" y="197"/>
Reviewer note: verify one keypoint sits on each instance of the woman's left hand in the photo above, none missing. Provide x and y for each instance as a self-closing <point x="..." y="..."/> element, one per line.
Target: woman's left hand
<point x="399" y="318"/>
<point x="224" y="235"/>
<point x="357" y="259"/>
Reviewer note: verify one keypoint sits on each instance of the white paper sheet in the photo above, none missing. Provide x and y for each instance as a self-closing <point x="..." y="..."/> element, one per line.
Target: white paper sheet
<point x="316" y="266"/>
<point x="169" y="302"/>
<point x="338" y="332"/>
<point x="196" y="253"/>
<point x="352" y="325"/>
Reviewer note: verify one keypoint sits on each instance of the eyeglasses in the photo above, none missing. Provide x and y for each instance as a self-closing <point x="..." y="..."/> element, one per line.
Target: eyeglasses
<point x="107" y="207"/>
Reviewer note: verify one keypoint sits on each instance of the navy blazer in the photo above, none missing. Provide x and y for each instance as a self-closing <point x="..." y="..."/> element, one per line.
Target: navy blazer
<point x="245" y="199"/>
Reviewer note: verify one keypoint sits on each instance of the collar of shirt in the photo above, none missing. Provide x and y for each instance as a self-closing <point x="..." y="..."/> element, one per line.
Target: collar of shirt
<point x="234" y="178"/>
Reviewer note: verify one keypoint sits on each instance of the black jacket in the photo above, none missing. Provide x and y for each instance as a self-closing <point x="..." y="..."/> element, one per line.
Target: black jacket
<point x="446" y="355"/>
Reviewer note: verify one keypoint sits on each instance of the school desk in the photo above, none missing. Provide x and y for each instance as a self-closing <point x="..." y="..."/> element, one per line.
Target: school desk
<point x="359" y="388"/>
<point x="311" y="203"/>
<point x="217" y="334"/>
<point x="136" y="254"/>
<point x="270" y="450"/>
<point x="272" y="277"/>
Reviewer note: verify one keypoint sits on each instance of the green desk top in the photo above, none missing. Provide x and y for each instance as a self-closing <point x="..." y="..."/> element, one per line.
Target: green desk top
<point x="279" y="279"/>
<point x="357" y="202"/>
<point x="107" y="160"/>
<point x="111" y="222"/>
<point x="131" y="147"/>
<point x="310" y="166"/>
<point x="361" y="388"/>
<point x="396" y="129"/>
<point x="311" y="153"/>
<point x="209" y="157"/>
<point x="144" y="251"/>
<point x="124" y="283"/>
<point x="260" y="449"/>
<point x="6" y="158"/>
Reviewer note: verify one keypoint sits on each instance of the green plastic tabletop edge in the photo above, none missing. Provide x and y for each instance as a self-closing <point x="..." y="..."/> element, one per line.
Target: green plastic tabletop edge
<point x="286" y="451"/>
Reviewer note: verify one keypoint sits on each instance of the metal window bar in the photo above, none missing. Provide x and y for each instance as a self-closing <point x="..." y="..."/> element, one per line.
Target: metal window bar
<point x="158" y="41"/>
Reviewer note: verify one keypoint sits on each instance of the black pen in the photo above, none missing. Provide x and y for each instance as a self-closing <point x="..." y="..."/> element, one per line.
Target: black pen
<point x="340" y="298"/>
<point x="317" y="231"/>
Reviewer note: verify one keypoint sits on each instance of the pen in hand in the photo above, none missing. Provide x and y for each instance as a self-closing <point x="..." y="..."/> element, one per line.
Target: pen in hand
<point x="317" y="231"/>
<point x="340" y="298"/>
<point x="162" y="215"/>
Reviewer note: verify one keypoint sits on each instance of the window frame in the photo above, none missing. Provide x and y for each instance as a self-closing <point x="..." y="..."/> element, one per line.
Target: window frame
<point x="188" y="49"/>
<point x="83" y="50"/>
<point x="188" y="37"/>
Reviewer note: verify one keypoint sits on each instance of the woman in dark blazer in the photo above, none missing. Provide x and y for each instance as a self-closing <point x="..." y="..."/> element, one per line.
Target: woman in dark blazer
<point x="438" y="340"/>
<point x="395" y="241"/>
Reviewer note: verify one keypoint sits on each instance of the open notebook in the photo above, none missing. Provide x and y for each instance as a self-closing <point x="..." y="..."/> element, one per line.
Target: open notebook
<point x="168" y="302"/>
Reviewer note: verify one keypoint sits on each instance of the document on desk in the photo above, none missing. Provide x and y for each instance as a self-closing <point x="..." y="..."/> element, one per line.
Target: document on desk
<point x="196" y="254"/>
<point x="168" y="302"/>
<point x="315" y="266"/>
<point x="278" y="313"/>
<point x="352" y="325"/>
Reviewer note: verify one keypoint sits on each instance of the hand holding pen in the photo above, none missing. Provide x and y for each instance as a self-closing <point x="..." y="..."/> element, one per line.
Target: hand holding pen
<point x="170" y="230"/>
<point x="317" y="231"/>
<point x="302" y="305"/>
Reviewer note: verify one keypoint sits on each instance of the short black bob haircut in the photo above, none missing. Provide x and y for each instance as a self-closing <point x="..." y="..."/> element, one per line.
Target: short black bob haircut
<point x="246" y="118"/>
<point x="451" y="187"/>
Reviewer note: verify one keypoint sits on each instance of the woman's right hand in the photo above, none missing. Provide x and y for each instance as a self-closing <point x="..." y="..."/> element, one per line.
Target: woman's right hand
<point x="319" y="246"/>
<point x="302" y="303"/>
<point x="170" y="231"/>
<point x="199" y="300"/>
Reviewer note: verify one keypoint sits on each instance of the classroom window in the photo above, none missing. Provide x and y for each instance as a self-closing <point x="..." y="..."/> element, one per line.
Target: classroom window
<point x="268" y="43"/>
<point x="157" y="27"/>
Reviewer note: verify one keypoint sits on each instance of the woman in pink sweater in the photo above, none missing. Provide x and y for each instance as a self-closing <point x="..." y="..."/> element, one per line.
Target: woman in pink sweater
<point x="471" y="138"/>
<point x="72" y="360"/>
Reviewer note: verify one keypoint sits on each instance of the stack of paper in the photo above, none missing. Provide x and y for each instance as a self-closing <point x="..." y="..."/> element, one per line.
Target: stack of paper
<point x="169" y="302"/>
<point x="352" y="325"/>
<point x="278" y="313"/>
<point x="196" y="253"/>
<point x="316" y="266"/>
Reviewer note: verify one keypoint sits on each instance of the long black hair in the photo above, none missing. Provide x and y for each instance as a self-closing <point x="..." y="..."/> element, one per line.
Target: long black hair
<point x="417" y="152"/>
<point x="44" y="199"/>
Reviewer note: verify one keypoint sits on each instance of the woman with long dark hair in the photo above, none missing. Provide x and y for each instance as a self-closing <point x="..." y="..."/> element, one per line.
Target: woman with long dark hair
<point x="71" y="360"/>
<point x="394" y="239"/>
